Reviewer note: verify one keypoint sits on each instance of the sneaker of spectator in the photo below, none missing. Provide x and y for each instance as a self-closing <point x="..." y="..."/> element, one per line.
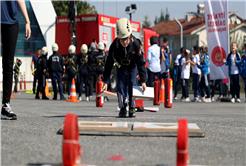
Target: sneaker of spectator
<point x="186" y="99"/>
<point x="202" y="99"/>
<point x="207" y="100"/>
<point x="175" y="98"/>
<point x="196" y="99"/>
<point x="238" y="100"/>
<point x="233" y="100"/>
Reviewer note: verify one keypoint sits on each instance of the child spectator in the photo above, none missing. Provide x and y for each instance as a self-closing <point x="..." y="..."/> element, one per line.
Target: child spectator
<point x="16" y="74"/>
<point x="185" y="74"/>
<point x="234" y="69"/>
<point x="177" y="73"/>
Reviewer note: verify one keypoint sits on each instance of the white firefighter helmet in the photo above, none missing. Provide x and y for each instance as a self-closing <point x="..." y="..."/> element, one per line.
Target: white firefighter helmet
<point x="100" y="46"/>
<point x="55" y="47"/>
<point x="123" y="28"/>
<point x="84" y="49"/>
<point x="71" y="49"/>
<point x="44" y="51"/>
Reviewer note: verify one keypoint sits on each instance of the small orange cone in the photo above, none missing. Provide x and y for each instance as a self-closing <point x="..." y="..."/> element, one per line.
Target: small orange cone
<point x="12" y="97"/>
<point x="162" y="95"/>
<point x="73" y="93"/>
<point x="47" y="93"/>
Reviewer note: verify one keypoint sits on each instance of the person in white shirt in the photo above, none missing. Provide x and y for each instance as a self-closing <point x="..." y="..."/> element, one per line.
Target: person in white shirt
<point x="234" y="61"/>
<point x="185" y="74"/>
<point x="153" y="59"/>
<point x="196" y="73"/>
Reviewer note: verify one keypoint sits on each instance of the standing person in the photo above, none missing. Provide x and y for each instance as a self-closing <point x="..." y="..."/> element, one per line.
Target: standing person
<point x="42" y="73"/>
<point x="234" y="68"/>
<point x="185" y="74"/>
<point x="83" y="72"/>
<point x="204" y="66"/>
<point x="165" y="65"/>
<point x="177" y="73"/>
<point x="153" y="59"/>
<point x="16" y="74"/>
<point x="9" y="34"/>
<point x="34" y="72"/>
<point x="56" y="70"/>
<point x="71" y="67"/>
<point x="92" y="62"/>
<point x="196" y="73"/>
<point x="165" y="43"/>
<point x="125" y="50"/>
<point x="243" y="64"/>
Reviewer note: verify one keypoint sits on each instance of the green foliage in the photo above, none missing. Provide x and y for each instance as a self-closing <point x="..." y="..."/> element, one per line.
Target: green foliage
<point x="163" y="17"/>
<point x="61" y="7"/>
<point x="146" y="22"/>
<point x="234" y="37"/>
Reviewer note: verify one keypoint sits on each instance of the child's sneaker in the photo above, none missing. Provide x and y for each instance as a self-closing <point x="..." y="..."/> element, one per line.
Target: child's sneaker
<point x="175" y="98"/>
<point x="212" y="99"/>
<point x="233" y="100"/>
<point x="202" y="99"/>
<point x="195" y="99"/>
<point x="181" y="98"/>
<point x="207" y="100"/>
<point x="186" y="99"/>
<point x="238" y="100"/>
<point x="80" y="98"/>
<point x="87" y="99"/>
<point x="7" y="112"/>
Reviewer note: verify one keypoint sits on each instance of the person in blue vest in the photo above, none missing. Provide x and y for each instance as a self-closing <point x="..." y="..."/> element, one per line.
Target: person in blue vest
<point x="125" y="52"/>
<point x="71" y="67"/>
<point x="243" y="64"/>
<point x="56" y="70"/>
<point x="84" y="73"/>
<point x="9" y="34"/>
<point x="233" y="61"/>
<point x="35" y="63"/>
<point x="42" y="73"/>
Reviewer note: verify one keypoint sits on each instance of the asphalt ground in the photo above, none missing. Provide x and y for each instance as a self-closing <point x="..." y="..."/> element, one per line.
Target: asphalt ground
<point x="32" y="139"/>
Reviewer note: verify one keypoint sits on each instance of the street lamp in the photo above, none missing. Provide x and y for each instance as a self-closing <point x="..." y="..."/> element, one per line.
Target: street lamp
<point x="131" y="9"/>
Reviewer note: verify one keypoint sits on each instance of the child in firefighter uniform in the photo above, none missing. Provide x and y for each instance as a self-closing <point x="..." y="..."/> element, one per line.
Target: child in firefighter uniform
<point x="56" y="70"/>
<point x="16" y="74"/>
<point x="42" y="73"/>
<point x="125" y="52"/>
<point x="71" y="67"/>
<point x="84" y="74"/>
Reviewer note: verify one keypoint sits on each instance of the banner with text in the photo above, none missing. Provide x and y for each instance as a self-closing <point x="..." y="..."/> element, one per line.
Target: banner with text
<point x="216" y="15"/>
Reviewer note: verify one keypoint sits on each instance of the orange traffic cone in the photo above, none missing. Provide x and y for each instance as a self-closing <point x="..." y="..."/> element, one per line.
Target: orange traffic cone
<point x="73" y="93"/>
<point x="162" y="95"/>
<point x="12" y="97"/>
<point x="47" y="93"/>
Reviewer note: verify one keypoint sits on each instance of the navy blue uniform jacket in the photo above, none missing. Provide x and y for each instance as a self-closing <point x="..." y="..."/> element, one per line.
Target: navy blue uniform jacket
<point x="117" y="51"/>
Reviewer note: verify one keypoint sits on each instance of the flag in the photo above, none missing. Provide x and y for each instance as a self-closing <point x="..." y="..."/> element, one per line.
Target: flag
<point x="216" y="16"/>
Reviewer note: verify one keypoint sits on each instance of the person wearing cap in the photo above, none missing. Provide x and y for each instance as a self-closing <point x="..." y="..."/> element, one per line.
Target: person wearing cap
<point x="42" y="73"/>
<point x="84" y="74"/>
<point x="16" y="74"/>
<point x="56" y="71"/>
<point x="34" y="68"/>
<point x="125" y="53"/>
<point x="71" y="67"/>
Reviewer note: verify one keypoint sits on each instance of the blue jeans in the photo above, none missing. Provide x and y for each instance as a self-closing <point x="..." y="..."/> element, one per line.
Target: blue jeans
<point x="235" y="85"/>
<point x="84" y="79"/>
<point x="125" y="82"/>
<point x="205" y="85"/>
<point x="57" y="76"/>
<point x="177" y="81"/>
<point x="185" y="88"/>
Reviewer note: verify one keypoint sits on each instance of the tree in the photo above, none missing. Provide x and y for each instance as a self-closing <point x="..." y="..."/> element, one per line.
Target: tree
<point x="61" y="7"/>
<point x="163" y="17"/>
<point x="146" y="22"/>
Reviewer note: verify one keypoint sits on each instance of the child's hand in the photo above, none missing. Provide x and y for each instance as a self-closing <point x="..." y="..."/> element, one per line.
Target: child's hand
<point x="105" y="87"/>
<point x="223" y="60"/>
<point x="143" y="87"/>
